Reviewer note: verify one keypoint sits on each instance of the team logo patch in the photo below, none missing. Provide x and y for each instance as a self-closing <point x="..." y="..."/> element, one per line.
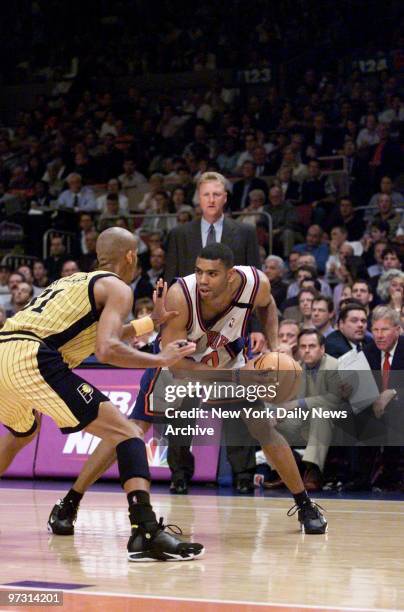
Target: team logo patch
<point x="232" y="322"/>
<point x="86" y="391"/>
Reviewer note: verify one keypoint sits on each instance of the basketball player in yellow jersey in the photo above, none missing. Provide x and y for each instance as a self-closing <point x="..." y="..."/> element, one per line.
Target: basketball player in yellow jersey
<point x="73" y="318"/>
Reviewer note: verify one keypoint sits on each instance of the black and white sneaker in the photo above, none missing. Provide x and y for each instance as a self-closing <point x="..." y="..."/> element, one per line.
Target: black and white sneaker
<point x="158" y="545"/>
<point x="62" y="518"/>
<point x="310" y="517"/>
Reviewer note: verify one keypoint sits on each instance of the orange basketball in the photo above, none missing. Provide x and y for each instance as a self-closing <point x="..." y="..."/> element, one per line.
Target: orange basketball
<point x="287" y="372"/>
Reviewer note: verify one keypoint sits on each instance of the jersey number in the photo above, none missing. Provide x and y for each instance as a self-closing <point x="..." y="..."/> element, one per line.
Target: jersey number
<point x="211" y="359"/>
<point x="45" y="297"/>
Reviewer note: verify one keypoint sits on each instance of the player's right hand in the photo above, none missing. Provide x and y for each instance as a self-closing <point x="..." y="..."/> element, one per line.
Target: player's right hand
<point x="176" y="350"/>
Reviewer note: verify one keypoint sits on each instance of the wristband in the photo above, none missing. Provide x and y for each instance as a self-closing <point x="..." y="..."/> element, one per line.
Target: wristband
<point x="143" y="326"/>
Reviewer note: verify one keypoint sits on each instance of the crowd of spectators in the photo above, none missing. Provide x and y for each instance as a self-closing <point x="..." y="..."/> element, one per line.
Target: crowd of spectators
<point x="315" y="167"/>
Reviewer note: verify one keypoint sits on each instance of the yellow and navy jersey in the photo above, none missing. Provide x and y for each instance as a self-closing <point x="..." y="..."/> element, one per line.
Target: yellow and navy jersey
<point x="64" y="316"/>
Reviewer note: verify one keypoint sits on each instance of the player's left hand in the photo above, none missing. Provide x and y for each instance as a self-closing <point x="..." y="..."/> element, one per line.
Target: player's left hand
<point x="258" y="342"/>
<point x="159" y="314"/>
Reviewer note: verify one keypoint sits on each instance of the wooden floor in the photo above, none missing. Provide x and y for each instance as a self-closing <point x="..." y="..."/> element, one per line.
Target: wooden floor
<point x="255" y="556"/>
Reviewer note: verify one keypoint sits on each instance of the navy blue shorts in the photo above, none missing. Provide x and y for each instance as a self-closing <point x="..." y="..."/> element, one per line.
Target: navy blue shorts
<point x="141" y="410"/>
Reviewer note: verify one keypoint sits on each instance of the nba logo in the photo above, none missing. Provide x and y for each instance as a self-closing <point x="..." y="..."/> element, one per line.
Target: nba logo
<point x="232" y="322"/>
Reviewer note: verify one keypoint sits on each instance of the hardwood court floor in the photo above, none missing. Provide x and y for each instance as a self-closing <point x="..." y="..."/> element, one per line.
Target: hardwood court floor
<point x="255" y="556"/>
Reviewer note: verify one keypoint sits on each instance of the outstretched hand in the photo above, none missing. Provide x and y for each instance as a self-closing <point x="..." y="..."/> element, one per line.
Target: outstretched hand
<point x="159" y="314"/>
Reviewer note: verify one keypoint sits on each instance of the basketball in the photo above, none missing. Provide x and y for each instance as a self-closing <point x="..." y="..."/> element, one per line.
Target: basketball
<point x="288" y="374"/>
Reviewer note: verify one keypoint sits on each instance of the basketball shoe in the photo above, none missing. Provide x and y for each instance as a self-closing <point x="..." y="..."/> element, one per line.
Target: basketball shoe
<point x="62" y="518"/>
<point x="152" y="542"/>
<point x="310" y="517"/>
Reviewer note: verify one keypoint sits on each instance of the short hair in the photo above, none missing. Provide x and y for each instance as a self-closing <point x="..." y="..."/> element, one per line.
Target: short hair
<point x="113" y="197"/>
<point x="207" y="177"/>
<point x="344" y="312"/>
<point x="342" y="228"/>
<point x="327" y="299"/>
<point x="385" y="312"/>
<point x="307" y="268"/>
<point x="217" y="250"/>
<point x="384" y="282"/>
<point x="382" y="226"/>
<point x="257" y="193"/>
<point x="277" y="260"/>
<point x="362" y="281"/>
<point x="315" y="281"/>
<point x="389" y="250"/>
<point x="312" y="331"/>
<point x="144" y="302"/>
<point x="313" y="292"/>
<point x="289" y="322"/>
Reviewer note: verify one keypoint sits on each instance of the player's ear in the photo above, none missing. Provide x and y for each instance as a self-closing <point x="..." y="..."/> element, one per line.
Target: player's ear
<point x="231" y="275"/>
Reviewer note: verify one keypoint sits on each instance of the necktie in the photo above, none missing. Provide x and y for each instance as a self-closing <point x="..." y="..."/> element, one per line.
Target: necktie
<point x="386" y="371"/>
<point x="76" y="201"/>
<point x="211" y="235"/>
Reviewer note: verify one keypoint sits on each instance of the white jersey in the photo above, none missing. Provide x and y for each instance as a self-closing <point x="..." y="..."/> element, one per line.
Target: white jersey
<point x="221" y="342"/>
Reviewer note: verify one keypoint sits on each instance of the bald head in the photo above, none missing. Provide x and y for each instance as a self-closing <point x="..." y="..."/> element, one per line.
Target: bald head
<point x="113" y="244"/>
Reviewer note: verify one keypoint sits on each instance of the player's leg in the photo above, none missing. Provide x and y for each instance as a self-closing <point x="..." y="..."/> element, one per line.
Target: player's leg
<point x="64" y="513"/>
<point x="149" y="541"/>
<point x="12" y="443"/>
<point x="280" y="456"/>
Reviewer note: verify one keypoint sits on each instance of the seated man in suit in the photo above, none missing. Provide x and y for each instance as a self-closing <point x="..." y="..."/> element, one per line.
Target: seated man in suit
<point x="383" y="422"/>
<point x="351" y="332"/>
<point x="320" y="389"/>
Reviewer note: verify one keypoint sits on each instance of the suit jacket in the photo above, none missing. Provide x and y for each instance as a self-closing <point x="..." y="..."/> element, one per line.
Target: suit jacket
<point x="336" y="344"/>
<point x="185" y="244"/>
<point x="327" y="385"/>
<point x="238" y="190"/>
<point x="374" y="355"/>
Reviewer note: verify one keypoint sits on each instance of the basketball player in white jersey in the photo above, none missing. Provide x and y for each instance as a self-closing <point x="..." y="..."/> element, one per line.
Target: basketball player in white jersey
<point x="214" y="305"/>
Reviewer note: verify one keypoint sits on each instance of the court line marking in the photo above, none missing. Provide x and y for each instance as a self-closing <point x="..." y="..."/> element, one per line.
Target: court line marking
<point x="214" y="601"/>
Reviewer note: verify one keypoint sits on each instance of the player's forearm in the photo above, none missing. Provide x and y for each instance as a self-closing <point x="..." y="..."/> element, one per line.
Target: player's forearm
<point x="118" y="354"/>
<point x="269" y="319"/>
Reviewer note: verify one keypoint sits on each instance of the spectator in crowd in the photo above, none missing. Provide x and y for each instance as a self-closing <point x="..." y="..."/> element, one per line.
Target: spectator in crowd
<point x="54" y="176"/>
<point x="157" y="262"/>
<point x="387" y="214"/>
<point x="113" y="187"/>
<point x="88" y="261"/>
<point x="131" y="178"/>
<point x="386" y="188"/>
<point x="293" y="264"/>
<point x="40" y="275"/>
<point x="382" y="421"/>
<point x="69" y="267"/>
<point x="288" y="332"/>
<point x="57" y="255"/>
<point x="4" y="275"/>
<point x="350" y="332"/>
<point x="290" y="187"/>
<point x="19" y="298"/>
<point x="227" y="159"/>
<point x="378" y="249"/>
<point x="250" y="142"/>
<point x="306" y="268"/>
<point x="368" y="136"/>
<point x="242" y="188"/>
<point x="141" y="285"/>
<point x="256" y="199"/>
<point x="284" y="220"/>
<point x="322" y="315"/>
<point x="318" y="192"/>
<point x="362" y="292"/>
<point x="77" y="197"/>
<point x="320" y="388"/>
<point x="41" y="200"/>
<point x="315" y="246"/>
<point x="349" y="218"/>
<point x="86" y="225"/>
<point x="110" y="214"/>
<point x="274" y="269"/>
<point x="302" y="312"/>
<point x="390" y="288"/>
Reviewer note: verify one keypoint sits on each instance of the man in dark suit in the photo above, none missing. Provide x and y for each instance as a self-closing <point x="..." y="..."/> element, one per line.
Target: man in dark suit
<point x="184" y="244"/>
<point x="382" y="423"/>
<point x="352" y="325"/>
<point x="241" y="189"/>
